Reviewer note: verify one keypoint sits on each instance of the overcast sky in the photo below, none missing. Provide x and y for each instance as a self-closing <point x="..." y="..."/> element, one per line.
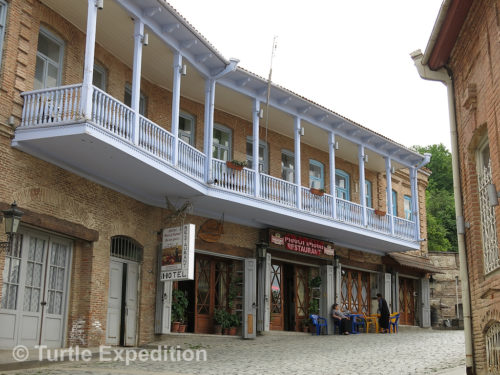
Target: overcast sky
<point x="349" y="56"/>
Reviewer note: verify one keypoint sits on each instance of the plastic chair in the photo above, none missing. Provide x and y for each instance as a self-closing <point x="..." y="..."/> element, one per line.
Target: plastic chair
<point x="319" y="322"/>
<point x="357" y="322"/>
<point x="371" y="320"/>
<point x="393" y="322"/>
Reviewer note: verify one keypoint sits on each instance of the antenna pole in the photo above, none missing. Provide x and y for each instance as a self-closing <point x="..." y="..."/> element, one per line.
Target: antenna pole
<point x="273" y="51"/>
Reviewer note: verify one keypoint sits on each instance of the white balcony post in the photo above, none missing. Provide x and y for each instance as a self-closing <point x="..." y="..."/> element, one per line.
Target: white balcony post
<point x="88" y="72"/>
<point x="136" y="75"/>
<point x="209" y="126"/>
<point x="297" y="163"/>
<point x="255" y="151"/>
<point x="414" y="201"/>
<point x="333" y="190"/>
<point x="176" y="97"/>
<point x="362" y="187"/>
<point x="388" y="175"/>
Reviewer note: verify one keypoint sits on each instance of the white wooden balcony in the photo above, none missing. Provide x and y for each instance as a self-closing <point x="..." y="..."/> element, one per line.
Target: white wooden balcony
<point x="136" y="158"/>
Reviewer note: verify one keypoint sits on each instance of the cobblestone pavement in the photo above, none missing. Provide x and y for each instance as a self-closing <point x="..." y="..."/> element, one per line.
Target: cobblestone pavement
<point x="409" y="352"/>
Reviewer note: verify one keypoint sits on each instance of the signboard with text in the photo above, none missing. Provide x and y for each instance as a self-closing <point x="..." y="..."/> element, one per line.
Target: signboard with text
<point x="177" y="253"/>
<point x="300" y="244"/>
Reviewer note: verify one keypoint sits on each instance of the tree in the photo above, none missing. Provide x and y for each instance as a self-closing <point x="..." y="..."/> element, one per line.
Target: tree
<point x="441" y="223"/>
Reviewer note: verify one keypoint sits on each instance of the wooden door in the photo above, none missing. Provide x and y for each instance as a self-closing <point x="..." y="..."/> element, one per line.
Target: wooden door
<point x="406" y="301"/>
<point x="301" y="296"/>
<point x="277" y="318"/>
<point x="211" y="290"/>
<point x="355" y="291"/>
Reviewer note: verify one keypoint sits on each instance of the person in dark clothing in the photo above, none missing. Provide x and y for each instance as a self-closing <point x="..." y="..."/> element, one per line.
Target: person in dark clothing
<point x="345" y="322"/>
<point x="383" y="309"/>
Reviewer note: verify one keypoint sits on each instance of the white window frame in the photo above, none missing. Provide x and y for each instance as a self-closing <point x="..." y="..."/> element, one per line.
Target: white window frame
<point x="491" y="257"/>
<point x="218" y="146"/>
<point x="104" y="74"/>
<point x="322" y="178"/>
<point x="368" y="194"/>
<point x="59" y="64"/>
<point x="3" y="24"/>
<point x="192" y="119"/>
<point x="408" y="212"/>
<point x="264" y="166"/>
<point x="292" y="169"/>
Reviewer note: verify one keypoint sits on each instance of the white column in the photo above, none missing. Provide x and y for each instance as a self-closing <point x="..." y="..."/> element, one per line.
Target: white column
<point x="88" y="72"/>
<point x="136" y="75"/>
<point x="297" y="163"/>
<point x="176" y="97"/>
<point x="362" y="187"/>
<point x="207" y="135"/>
<point x="414" y="201"/>
<point x="331" y="148"/>
<point x="255" y="151"/>
<point x="388" y="175"/>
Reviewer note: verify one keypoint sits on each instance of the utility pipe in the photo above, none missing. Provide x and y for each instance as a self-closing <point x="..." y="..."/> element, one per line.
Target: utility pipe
<point x="442" y="76"/>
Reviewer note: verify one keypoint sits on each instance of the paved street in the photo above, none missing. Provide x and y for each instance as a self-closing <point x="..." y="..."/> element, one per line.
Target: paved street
<point x="409" y="352"/>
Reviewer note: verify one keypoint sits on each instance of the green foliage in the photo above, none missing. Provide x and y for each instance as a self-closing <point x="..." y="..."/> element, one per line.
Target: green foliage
<point x="314" y="306"/>
<point x="441" y="223"/>
<point x="235" y="320"/>
<point x="315" y="282"/>
<point x="179" y="305"/>
<point x="219" y="316"/>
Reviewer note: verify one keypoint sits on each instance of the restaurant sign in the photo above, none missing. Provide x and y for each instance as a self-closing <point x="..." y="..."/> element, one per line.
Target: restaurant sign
<point x="300" y="244"/>
<point x="177" y="253"/>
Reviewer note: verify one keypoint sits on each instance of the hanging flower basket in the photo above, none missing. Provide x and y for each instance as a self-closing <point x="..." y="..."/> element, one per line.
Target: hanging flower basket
<point x="380" y="213"/>
<point x="319" y="192"/>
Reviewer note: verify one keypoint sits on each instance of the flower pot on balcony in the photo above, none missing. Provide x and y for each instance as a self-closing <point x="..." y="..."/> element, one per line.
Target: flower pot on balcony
<point x="319" y="192"/>
<point x="234" y="166"/>
<point x="380" y="213"/>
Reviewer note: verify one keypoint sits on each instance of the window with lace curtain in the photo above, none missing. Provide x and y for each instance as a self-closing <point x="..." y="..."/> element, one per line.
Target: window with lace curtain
<point x="488" y="218"/>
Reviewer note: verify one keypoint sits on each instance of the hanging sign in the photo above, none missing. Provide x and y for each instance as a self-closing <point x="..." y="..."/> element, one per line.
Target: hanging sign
<point x="177" y="253"/>
<point x="300" y="244"/>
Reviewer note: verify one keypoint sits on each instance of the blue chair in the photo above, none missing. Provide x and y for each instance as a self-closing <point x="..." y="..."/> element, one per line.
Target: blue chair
<point x="357" y="322"/>
<point x="393" y="323"/>
<point x="319" y="322"/>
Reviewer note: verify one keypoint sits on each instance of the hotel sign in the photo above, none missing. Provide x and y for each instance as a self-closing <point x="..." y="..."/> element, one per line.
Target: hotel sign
<point x="300" y="244"/>
<point x="177" y="253"/>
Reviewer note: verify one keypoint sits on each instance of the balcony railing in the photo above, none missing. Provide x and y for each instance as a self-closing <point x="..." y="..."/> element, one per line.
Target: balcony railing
<point x="62" y="105"/>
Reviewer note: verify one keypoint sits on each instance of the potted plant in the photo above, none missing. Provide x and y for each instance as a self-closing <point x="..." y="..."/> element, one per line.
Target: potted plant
<point x="319" y="192"/>
<point x="234" y="323"/>
<point x="315" y="282"/>
<point x="305" y="325"/>
<point x="219" y="316"/>
<point x="236" y="164"/>
<point x="179" y="306"/>
<point x="226" y="323"/>
<point x="380" y="212"/>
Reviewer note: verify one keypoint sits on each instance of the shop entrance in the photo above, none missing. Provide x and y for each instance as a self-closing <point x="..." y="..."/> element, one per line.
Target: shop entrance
<point x="355" y="291"/>
<point x="289" y="295"/>
<point x="406" y="301"/>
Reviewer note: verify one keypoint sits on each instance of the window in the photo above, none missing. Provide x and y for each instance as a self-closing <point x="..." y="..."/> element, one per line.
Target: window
<point x="342" y="184"/>
<point x="187" y="126"/>
<point x="49" y="57"/>
<point x="407" y="206"/>
<point x="288" y="166"/>
<point x="488" y="218"/>
<point x="263" y="155"/>
<point x="368" y="193"/>
<point x="221" y="143"/>
<point x="100" y="77"/>
<point x="127" y="100"/>
<point x="316" y="174"/>
<point x="394" y="203"/>
<point x="3" y="12"/>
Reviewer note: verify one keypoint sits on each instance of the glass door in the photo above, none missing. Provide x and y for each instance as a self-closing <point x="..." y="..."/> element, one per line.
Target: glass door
<point x="277" y="320"/>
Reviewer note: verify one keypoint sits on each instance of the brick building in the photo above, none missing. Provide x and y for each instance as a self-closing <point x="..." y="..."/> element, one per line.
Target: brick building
<point x="464" y="53"/>
<point x="119" y="122"/>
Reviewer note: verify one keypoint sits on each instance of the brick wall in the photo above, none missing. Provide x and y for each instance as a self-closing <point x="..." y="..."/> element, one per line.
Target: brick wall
<point x="475" y="60"/>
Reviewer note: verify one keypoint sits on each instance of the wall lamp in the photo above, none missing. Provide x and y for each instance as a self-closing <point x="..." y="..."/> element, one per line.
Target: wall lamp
<point x="493" y="194"/>
<point x="336" y="261"/>
<point x="365" y="158"/>
<point x="301" y="131"/>
<point x="12" y="218"/>
<point x="261" y="113"/>
<point x="183" y="70"/>
<point x="145" y="39"/>
<point x="336" y="145"/>
<point x="99" y="4"/>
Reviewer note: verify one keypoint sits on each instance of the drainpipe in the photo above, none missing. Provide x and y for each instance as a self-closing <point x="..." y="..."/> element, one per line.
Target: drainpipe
<point x="442" y="76"/>
<point x="414" y="201"/>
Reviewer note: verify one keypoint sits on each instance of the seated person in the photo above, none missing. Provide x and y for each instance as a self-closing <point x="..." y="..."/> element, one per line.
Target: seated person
<point x="343" y="318"/>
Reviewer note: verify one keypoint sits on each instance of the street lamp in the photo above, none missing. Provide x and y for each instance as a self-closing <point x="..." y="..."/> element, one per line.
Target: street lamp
<point x="336" y="261"/>
<point x="12" y="218"/>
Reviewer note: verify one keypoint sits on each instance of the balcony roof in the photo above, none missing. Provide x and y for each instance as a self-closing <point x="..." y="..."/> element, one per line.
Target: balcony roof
<point x="170" y="32"/>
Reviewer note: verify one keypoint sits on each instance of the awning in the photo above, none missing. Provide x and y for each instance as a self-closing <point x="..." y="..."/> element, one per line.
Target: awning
<point x="415" y="262"/>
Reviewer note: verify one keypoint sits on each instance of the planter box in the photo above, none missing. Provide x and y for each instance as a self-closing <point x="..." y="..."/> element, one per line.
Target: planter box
<point x="234" y="166"/>
<point x="318" y="192"/>
<point x="380" y="213"/>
